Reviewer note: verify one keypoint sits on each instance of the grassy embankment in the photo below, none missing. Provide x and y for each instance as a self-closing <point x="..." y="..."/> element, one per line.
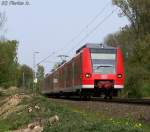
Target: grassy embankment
<point x="15" y="114"/>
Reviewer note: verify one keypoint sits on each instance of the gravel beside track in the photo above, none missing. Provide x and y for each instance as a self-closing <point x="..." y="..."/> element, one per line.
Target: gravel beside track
<point x="125" y="108"/>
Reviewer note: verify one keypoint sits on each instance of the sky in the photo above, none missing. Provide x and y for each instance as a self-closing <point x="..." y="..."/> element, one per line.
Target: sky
<point x="56" y="27"/>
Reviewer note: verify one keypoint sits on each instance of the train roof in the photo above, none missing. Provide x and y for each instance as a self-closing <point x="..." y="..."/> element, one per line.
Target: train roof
<point x="88" y="45"/>
<point x="95" y="46"/>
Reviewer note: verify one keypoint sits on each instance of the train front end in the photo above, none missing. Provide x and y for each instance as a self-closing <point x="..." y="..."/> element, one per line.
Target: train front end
<point x="103" y="70"/>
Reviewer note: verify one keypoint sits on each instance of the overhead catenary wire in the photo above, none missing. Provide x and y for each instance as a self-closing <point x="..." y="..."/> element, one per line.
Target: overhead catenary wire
<point x="91" y="22"/>
<point x="93" y="30"/>
<point x="47" y="57"/>
<point x="78" y="35"/>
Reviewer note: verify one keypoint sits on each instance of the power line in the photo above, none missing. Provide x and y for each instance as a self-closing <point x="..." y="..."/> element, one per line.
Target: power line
<point x="47" y="57"/>
<point x="93" y="30"/>
<point x="78" y="35"/>
<point x="92" y="21"/>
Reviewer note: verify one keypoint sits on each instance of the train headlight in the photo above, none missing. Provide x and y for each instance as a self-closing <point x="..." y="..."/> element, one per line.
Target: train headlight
<point x="119" y="75"/>
<point x="87" y="75"/>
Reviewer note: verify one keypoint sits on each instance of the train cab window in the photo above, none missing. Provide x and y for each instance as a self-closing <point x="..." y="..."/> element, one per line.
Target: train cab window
<point x="104" y="61"/>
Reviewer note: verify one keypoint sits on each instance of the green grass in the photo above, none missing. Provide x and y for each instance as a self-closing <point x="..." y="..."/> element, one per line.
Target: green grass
<point x="146" y="90"/>
<point x="71" y="119"/>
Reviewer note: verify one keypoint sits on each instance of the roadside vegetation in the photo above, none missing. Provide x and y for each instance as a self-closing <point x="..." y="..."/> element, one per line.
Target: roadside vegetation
<point x="134" y="39"/>
<point x="22" y="111"/>
<point x="11" y="72"/>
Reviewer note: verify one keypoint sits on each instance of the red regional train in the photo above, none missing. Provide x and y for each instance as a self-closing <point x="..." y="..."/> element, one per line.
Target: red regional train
<point x="94" y="71"/>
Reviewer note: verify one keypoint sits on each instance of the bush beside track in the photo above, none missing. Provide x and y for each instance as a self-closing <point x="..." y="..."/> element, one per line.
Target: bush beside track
<point x="19" y="110"/>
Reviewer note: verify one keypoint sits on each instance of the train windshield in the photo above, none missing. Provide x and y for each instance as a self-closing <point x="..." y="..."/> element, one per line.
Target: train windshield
<point x="104" y="61"/>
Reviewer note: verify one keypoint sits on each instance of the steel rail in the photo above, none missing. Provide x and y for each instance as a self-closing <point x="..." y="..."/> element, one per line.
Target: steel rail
<point x="124" y="100"/>
<point x="135" y="101"/>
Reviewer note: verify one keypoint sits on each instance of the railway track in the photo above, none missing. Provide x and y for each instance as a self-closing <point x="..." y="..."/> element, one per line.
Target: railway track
<point x="125" y="101"/>
<point x="114" y="100"/>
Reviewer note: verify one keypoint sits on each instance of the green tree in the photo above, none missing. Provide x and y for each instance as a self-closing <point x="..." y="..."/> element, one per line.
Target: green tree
<point x="40" y="76"/>
<point x="124" y="39"/>
<point x="138" y="13"/>
<point x="8" y="63"/>
<point x="25" y="76"/>
<point x="134" y="39"/>
<point x="8" y="57"/>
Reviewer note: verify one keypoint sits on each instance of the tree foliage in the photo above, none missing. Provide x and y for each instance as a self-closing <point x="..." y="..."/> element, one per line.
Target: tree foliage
<point x="40" y="76"/>
<point x="40" y="72"/>
<point x="11" y="72"/>
<point x="137" y="12"/>
<point x="8" y="62"/>
<point x="134" y="39"/>
<point x="124" y="39"/>
<point x="25" y="76"/>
